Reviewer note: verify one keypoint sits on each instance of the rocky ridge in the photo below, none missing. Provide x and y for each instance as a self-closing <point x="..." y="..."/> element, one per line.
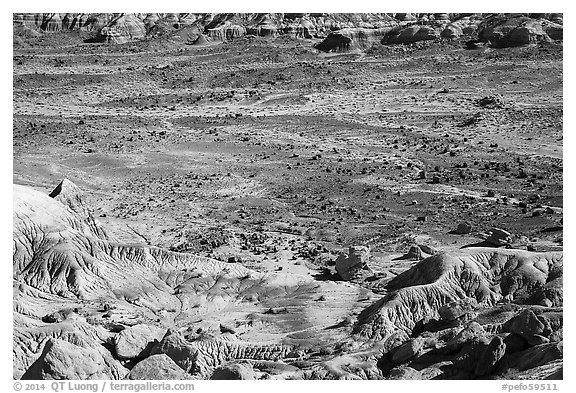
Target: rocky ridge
<point x="335" y="32"/>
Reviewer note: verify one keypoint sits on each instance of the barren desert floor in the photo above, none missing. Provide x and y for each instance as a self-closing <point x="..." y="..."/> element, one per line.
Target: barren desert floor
<point x="270" y="156"/>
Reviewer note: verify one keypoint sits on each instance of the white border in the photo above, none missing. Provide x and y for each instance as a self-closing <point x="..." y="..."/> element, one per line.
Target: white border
<point x="293" y="6"/>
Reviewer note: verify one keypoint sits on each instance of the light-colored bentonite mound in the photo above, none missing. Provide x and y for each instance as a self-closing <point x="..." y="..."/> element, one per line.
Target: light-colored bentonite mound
<point x="113" y="302"/>
<point x="486" y="275"/>
<point x="122" y="29"/>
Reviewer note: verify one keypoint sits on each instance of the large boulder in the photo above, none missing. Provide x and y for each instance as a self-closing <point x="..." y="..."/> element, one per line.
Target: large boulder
<point x="407" y="351"/>
<point x="515" y="343"/>
<point x="352" y="264"/>
<point x="243" y="371"/>
<point x="183" y="353"/>
<point x="499" y="237"/>
<point x="472" y="333"/>
<point x="133" y="341"/>
<point x="526" y="324"/>
<point x="63" y="360"/>
<point x="490" y="357"/>
<point x="469" y="356"/>
<point x="534" y="356"/>
<point x="157" y="367"/>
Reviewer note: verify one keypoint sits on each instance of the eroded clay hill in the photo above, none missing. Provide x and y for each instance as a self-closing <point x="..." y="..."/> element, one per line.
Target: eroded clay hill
<point x="339" y="32"/>
<point x="89" y="307"/>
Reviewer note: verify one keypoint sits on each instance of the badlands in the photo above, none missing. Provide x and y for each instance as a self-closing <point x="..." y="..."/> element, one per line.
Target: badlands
<point x="287" y="196"/>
